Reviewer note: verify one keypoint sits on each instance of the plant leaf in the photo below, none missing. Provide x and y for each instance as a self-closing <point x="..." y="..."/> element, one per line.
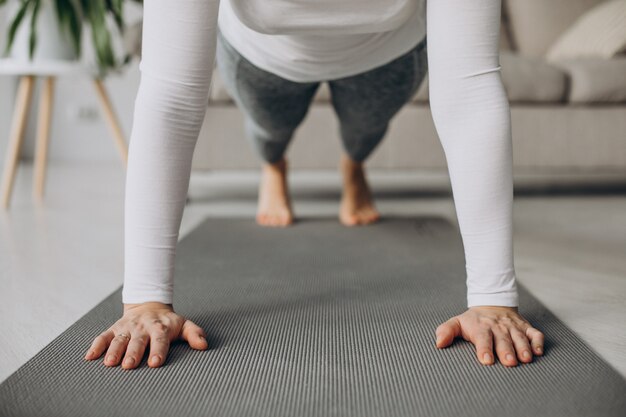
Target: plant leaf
<point x="96" y="14"/>
<point x="17" y="20"/>
<point x="32" y="42"/>
<point x="116" y="7"/>
<point x="70" y="20"/>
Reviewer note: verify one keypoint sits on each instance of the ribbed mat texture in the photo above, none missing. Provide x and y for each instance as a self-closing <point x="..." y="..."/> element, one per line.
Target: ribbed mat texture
<point x="318" y="320"/>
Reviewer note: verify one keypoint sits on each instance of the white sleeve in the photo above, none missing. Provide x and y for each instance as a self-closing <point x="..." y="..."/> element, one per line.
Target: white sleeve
<point x="179" y="41"/>
<point x="472" y="116"/>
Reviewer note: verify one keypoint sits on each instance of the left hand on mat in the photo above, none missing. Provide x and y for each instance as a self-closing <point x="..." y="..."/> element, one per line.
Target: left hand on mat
<point x="515" y="339"/>
<point x="145" y="326"/>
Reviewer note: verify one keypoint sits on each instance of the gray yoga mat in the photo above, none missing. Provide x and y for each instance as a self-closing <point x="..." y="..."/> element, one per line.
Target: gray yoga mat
<point x="318" y="320"/>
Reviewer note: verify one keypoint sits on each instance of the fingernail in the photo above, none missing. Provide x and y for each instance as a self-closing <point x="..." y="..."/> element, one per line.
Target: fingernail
<point x="129" y="361"/>
<point x="526" y="354"/>
<point x="487" y="358"/>
<point x="539" y="350"/>
<point x="111" y="358"/>
<point x="155" y="360"/>
<point x="509" y="357"/>
<point x="88" y="355"/>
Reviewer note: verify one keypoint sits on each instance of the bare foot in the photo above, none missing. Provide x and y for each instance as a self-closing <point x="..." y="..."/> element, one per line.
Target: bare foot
<point x="357" y="205"/>
<point x="274" y="202"/>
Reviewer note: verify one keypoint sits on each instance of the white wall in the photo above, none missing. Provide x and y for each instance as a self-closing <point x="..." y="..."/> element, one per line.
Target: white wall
<point x="73" y="137"/>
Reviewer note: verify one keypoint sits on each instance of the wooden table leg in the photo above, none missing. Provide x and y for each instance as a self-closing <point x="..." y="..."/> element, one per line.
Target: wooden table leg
<point x="20" y="115"/>
<point x="114" y="124"/>
<point x="43" y="137"/>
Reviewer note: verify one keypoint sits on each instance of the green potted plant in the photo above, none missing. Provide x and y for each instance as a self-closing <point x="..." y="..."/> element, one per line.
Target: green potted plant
<point x="63" y="22"/>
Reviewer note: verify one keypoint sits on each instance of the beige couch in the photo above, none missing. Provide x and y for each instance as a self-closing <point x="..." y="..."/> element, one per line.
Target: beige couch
<point x="568" y="118"/>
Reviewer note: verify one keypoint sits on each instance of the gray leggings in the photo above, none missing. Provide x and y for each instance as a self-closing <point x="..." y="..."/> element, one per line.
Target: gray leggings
<point x="365" y="103"/>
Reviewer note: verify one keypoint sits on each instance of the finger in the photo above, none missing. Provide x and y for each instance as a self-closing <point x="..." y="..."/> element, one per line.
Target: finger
<point x="504" y="347"/>
<point x="116" y="349"/>
<point x="135" y="350"/>
<point x="522" y="347"/>
<point x="447" y="332"/>
<point x="194" y="335"/>
<point x="536" y="340"/>
<point x="159" y="345"/>
<point x="483" y="340"/>
<point x="99" y="345"/>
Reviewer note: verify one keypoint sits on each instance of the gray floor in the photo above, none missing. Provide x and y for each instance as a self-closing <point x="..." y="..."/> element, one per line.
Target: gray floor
<point x="60" y="259"/>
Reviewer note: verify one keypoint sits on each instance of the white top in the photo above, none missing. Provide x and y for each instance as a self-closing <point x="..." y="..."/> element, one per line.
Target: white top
<point x="322" y="40"/>
<point x="467" y="99"/>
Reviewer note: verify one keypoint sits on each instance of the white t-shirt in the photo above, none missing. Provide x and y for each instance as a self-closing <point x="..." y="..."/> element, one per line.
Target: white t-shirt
<point x="307" y="41"/>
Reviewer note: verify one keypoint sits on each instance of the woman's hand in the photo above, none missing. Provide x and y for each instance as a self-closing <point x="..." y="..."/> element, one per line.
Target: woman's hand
<point x="514" y="338"/>
<point x="150" y="323"/>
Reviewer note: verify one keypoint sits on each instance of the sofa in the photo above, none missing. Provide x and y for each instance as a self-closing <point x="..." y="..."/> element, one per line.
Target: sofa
<point x="568" y="114"/>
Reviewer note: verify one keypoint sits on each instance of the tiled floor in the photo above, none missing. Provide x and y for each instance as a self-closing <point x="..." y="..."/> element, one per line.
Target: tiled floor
<point x="60" y="259"/>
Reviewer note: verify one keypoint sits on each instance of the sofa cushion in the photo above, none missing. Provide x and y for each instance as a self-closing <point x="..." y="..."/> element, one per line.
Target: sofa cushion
<point x="536" y="24"/>
<point x="600" y="32"/>
<point x="596" y="80"/>
<point x="528" y="79"/>
<point x="525" y="80"/>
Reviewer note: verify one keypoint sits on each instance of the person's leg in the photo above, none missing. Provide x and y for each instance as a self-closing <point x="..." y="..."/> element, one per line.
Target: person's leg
<point x="365" y="104"/>
<point x="273" y="107"/>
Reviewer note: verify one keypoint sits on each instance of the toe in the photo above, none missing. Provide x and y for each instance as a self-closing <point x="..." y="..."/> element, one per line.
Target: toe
<point x="365" y="217"/>
<point x="261" y="219"/>
<point x="372" y="217"/>
<point x="350" y="220"/>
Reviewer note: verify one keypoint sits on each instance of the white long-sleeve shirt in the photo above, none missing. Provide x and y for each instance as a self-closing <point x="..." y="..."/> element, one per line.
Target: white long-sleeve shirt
<point x="307" y="41"/>
<point x="467" y="99"/>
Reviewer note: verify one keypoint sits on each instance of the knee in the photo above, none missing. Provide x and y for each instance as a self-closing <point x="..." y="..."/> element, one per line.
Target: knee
<point x="269" y="144"/>
<point x="359" y="143"/>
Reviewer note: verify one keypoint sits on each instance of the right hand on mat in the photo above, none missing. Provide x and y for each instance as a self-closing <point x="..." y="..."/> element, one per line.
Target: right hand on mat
<point x="154" y="324"/>
<point x="491" y="328"/>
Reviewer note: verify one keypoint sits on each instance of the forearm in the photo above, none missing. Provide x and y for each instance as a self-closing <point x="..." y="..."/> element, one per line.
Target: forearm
<point x="472" y="116"/>
<point x="177" y="60"/>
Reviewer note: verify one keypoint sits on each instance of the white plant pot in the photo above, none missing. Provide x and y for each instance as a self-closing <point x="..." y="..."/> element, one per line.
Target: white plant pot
<point x="52" y="43"/>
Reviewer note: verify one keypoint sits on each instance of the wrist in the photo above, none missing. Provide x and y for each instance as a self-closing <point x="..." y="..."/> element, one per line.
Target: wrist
<point x="148" y="305"/>
<point x="501" y="299"/>
<point x="492" y="308"/>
